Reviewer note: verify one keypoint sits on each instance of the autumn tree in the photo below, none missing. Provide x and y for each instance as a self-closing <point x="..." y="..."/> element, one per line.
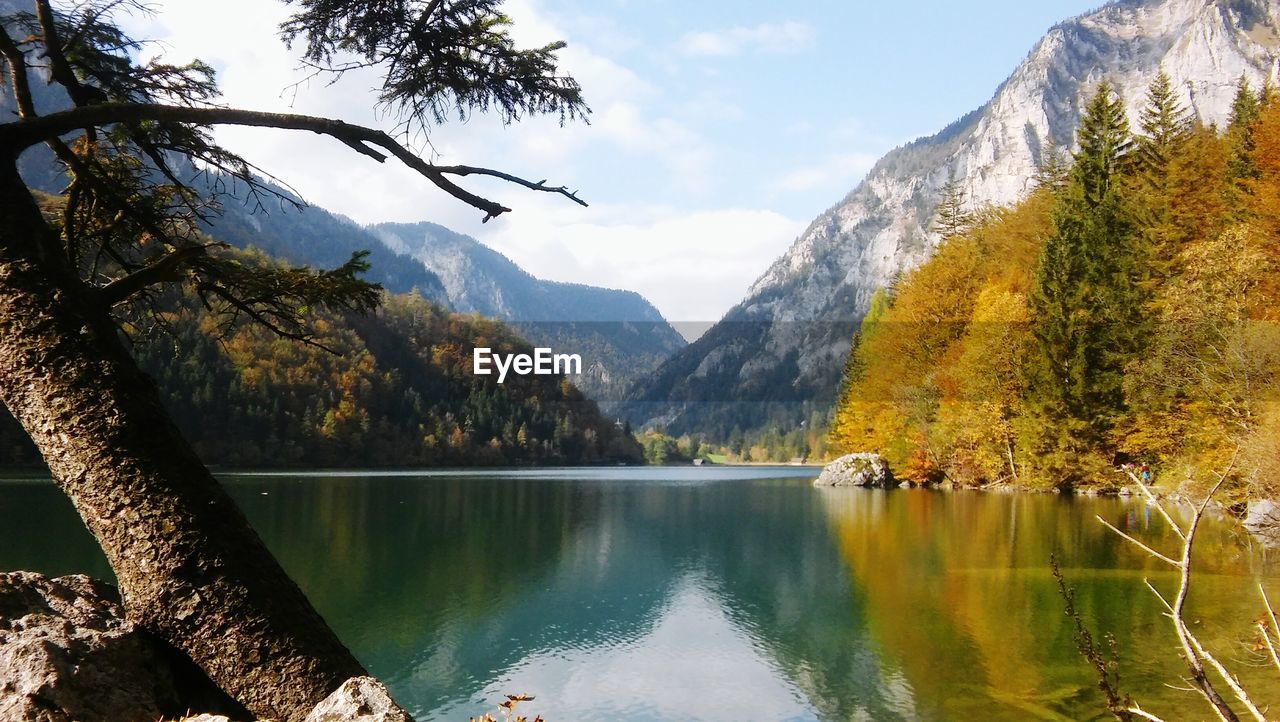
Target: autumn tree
<point x="74" y="269"/>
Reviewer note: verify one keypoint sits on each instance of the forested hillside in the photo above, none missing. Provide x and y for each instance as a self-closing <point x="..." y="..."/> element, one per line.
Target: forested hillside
<point x="1125" y="312"/>
<point x="394" y="388"/>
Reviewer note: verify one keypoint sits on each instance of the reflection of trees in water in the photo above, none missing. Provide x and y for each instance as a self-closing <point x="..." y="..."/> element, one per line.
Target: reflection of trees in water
<point x="442" y="584"/>
<point x="892" y="604"/>
<point x="959" y="595"/>
<point x="771" y="563"/>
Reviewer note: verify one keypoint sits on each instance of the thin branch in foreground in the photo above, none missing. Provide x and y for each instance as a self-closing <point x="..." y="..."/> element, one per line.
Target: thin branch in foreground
<point x="1120" y="706"/>
<point x="17" y="136"/>
<point x="1168" y="560"/>
<point x="1194" y="652"/>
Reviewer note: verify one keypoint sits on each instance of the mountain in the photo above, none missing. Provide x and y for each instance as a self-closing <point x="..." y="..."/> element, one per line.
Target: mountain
<point x="315" y="237"/>
<point x="778" y="354"/>
<point x="619" y="334"/>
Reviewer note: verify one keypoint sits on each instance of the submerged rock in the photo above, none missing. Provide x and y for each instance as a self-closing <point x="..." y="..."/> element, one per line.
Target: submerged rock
<point x="867" y="470"/>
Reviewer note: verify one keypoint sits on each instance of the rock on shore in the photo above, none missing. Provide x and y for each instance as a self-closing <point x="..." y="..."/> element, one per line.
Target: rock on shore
<point x="67" y="654"/>
<point x="867" y="470"/>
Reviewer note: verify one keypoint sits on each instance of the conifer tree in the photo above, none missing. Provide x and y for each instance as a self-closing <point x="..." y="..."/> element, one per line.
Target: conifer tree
<point x="1054" y="169"/>
<point x="1165" y="125"/>
<point x="1166" y="129"/>
<point x="952" y="217"/>
<point x="1244" y="111"/>
<point x="1085" y="297"/>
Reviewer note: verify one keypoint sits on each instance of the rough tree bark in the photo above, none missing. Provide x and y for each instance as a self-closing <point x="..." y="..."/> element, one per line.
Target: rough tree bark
<point x="189" y="566"/>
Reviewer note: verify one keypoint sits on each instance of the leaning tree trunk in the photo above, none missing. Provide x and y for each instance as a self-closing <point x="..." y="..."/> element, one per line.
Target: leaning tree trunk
<point x="190" y="568"/>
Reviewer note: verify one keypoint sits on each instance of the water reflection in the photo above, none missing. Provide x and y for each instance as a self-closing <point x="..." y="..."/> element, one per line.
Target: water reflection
<point x="664" y="594"/>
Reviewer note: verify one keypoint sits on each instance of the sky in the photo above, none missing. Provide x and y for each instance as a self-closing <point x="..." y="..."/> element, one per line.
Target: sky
<point x="719" y="128"/>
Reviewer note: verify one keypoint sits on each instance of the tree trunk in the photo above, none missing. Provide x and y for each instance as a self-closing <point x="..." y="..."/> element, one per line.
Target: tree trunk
<point x="189" y="566"/>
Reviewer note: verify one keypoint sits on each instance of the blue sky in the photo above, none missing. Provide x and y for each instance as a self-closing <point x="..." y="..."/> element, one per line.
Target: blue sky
<point x="721" y="128"/>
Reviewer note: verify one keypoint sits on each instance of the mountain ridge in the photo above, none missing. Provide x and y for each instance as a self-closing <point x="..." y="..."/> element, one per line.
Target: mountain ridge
<point x="618" y="333"/>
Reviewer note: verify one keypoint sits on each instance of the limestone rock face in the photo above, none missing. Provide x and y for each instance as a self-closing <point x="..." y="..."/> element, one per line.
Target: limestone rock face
<point x="359" y="699"/>
<point x="866" y="470"/>
<point x="67" y="653"/>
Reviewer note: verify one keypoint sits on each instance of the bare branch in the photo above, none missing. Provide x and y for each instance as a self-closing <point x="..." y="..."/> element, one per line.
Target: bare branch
<point x="1275" y="623"/>
<point x="17" y="61"/>
<point x="465" y="170"/>
<point x="1159" y="596"/>
<point x="1151" y="499"/>
<point x="22" y="134"/>
<point x="1266" y="637"/>
<point x="1140" y="712"/>
<point x="1135" y="542"/>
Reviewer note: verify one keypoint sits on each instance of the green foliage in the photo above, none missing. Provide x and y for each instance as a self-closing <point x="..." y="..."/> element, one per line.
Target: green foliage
<point x="1165" y="126"/>
<point x="953" y="217"/>
<point x="1086" y="298"/>
<point x="805" y="442"/>
<point x="438" y="57"/>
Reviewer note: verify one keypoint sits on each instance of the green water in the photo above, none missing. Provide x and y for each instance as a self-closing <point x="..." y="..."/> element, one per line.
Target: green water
<point x="716" y="593"/>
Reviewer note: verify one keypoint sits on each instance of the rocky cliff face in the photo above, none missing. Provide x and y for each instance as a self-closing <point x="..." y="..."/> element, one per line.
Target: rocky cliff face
<point x="794" y="326"/>
<point x="619" y="334"/>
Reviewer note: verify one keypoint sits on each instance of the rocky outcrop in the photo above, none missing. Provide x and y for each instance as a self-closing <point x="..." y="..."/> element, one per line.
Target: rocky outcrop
<point x="866" y="470"/>
<point x="68" y="654"/>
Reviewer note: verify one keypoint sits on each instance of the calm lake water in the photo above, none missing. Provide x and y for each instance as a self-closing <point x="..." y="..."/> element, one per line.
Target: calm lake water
<point x="716" y="593"/>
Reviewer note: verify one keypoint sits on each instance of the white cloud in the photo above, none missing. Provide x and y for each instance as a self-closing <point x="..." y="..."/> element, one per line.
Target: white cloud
<point x="842" y="170"/>
<point x="693" y="266"/>
<point x="786" y="37"/>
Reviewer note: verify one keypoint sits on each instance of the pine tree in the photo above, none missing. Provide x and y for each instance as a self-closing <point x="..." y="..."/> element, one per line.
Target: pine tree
<point x="1167" y="128"/>
<point x="1165" y="125"/>
<point x="1105" y="145"/>
<point x="952" y="217"/>
<point x="1244" y="112"/>
<point x="1085" y="298"/>
<point x="1054" y="169"/>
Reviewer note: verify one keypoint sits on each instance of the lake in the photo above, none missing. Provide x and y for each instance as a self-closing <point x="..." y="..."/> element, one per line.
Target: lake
<point x="717" y="593"/>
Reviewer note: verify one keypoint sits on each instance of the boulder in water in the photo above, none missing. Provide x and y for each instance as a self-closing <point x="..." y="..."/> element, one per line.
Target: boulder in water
<point x="866" y="470"/>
